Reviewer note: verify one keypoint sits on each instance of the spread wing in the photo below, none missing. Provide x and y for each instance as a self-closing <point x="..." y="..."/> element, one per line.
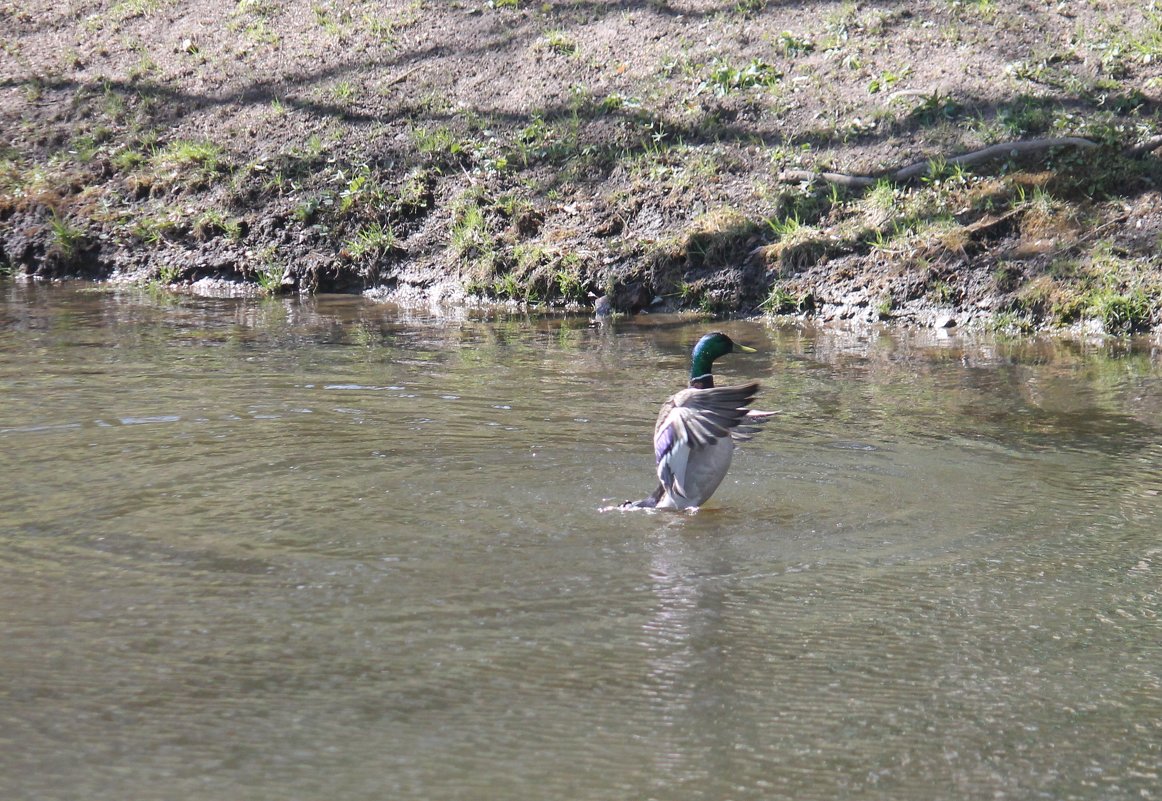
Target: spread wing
<point x="693" y="421"/>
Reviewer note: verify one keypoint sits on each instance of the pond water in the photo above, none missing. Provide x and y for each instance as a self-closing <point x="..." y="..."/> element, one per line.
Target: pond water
<point x="320" y="549"/>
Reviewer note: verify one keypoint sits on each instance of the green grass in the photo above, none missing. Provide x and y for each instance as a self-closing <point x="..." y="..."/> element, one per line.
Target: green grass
<point x="470" y="235"/>
<point x="781" y="301"/>
<point x="1119" y="313"/>
<point x="270" y="277"/>
<point x="373" y="241"/>
<point x="128" y="9"/>
<point x="65" y="238"/>
<point x="183" y="153"/>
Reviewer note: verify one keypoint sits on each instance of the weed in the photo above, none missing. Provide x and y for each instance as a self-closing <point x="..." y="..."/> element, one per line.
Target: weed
<point x="1148" y="45"/>
<point x="1006" y="276"/>
<point x="568" y="282"/>
<point x="362" y="190"/>
<point x="1026" y="115"/>
<point x="1120" y="314"/>
<point x="689" y="292"/>
<point x="470" y="234"/>
<point x="560" y="42"/>
<point x="168" y="274"/>
<point x="65" y="238"/>
<point x="257" y="8"/>
<point x="152" y="229"/>
<point x="437" y="142"/>
<point x="187" y="163"/>
<point x="373" y="241"/>
<point x="214" y="222"/>
<point x="128" y="9"/>
<point x="306" y="210"/>
<point x="415" y="195"/>
<point x="935" y="108"/>
<point x="790" y="45"/>
<point x="785" y="227"/>
<point x="1011" y="322"/>
<point x="719" y="237"/>
<point x="883" y="196"/>
<point x="987" y="9"/>
<point x="780" y="301"/>
<point x="313" y="149"/>
<point x="270" y="273"/>
<point x="725" y="78"/>
<point x="344" y="92"/>
<point x="941" y="292"/>
<point x="886" y="80"/>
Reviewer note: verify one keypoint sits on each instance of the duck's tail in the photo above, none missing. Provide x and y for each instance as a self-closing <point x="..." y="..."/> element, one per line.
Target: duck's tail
<point x="645" y="503"/>
<point x="753" y="418"/>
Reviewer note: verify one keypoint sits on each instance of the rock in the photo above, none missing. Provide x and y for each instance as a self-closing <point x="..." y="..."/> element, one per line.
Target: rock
<point x="944" y="321"/>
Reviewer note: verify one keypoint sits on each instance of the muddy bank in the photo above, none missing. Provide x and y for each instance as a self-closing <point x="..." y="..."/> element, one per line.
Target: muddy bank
<point x="661" y="154"/>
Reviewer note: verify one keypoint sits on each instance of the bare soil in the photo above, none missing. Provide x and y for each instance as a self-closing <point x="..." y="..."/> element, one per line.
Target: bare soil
<point x="548" y="152"/>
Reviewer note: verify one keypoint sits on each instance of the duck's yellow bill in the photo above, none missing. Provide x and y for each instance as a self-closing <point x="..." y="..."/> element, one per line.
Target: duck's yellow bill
<point x="745" y="348"/>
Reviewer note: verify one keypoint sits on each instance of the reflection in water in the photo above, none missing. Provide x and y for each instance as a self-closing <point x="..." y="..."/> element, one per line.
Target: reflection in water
<point x="326" y="548"/>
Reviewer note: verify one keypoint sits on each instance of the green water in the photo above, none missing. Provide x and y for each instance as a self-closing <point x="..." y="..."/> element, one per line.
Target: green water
<point x="332" y="549"/>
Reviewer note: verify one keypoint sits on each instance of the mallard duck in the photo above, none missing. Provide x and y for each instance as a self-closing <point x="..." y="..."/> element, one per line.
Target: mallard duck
<point x="697" y="428"/>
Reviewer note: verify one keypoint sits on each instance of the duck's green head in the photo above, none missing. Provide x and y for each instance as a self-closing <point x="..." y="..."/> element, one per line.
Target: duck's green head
<point x="709" y="348"/>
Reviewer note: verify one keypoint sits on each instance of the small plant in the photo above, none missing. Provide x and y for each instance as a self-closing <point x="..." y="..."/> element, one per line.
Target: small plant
<point x="152" y="229"/>
<point x="568" y="283"/>
<point x="307" y="209"/>
<point x="785" y="227"/>
<point x="362" y="191"/>
<point x="941" y="291"/>
<point x="748" y="7"/>
<point x="470" y="235"/>
<point x="214" y="222"/>
<point x="1011" y="323"/>
<point x="168" y="274"/>
<point x="1121" y="314"/>
<point x="791" y="45"/>
<point x="65" y="238"/>
<point x="560" y="42"/>
<point x="258" y="8"/>
<point x="935" y="108"/>
<point x="506" y="286"/>
<point x="886" y="80"/>
<point x="187" y="163"/>
<point x="882" y="196"/>
<point x="128" y="9"/>
<point x="437" y="142"/>
<point x="373" y="241"/>
<point x="270" y="273"/>
<point x="344" y="92"/>
<point x="725" y="78"/>
<point x="780" y="301"/>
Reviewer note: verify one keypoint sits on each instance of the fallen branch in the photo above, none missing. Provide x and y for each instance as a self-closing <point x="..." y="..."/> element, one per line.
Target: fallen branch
<point x="923" y="167"/>
<point x="1149" y="146"/>
<point x="1121" y="218"/>
<point x="402" y="76"/>
<point x="798" y="176"/>
<point x="995" y="151"/>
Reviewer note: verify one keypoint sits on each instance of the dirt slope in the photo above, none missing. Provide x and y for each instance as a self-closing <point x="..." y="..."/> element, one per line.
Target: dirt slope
<point x="655" y="151"/>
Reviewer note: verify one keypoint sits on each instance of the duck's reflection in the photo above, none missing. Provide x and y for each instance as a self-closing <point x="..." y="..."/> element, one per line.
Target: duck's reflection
<point x="691" y="686"/>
